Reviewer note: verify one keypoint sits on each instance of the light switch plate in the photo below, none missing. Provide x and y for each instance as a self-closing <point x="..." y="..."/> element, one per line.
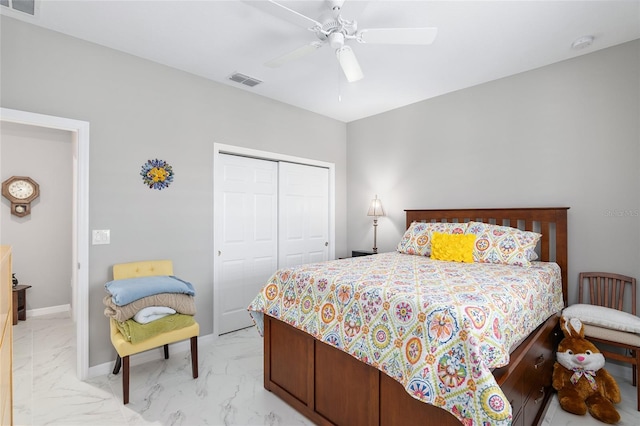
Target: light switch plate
<point x="101" y="236"/>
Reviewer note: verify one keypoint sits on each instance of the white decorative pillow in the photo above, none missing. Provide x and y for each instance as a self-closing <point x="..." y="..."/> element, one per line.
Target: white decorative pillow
<point x="503" y="244"/>
<point x="417" y="239"/>
<point x="152" y="313"/>
<point x="604" y="317"/>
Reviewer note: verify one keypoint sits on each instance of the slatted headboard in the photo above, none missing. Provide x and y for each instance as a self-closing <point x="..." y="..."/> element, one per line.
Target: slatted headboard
<point x="551" y="222"/>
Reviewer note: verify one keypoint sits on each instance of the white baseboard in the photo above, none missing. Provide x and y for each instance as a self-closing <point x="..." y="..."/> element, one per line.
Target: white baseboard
<point x="48" y="310"/>
<point x="150" y="355"/>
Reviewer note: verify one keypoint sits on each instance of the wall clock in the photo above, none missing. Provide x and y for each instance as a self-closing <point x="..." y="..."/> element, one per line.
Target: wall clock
<point x="21" y="191"/>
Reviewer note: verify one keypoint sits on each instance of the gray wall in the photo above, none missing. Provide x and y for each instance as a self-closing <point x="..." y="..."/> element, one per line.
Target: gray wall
<point x="566" y="134"/>
<point x="139" y="110"/>
<point x="41" y="241"/>
<point x="562" y="135"/>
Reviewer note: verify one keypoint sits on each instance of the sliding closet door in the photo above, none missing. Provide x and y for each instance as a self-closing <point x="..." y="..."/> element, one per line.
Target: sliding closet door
<point x="247" y="235"/>
<point x="303" y="214"/>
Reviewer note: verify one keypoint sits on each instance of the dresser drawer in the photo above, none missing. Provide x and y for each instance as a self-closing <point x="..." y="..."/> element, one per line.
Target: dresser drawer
<point x="539" y="369"/>
<point x="526" y="382"/>
<point x="539" y="363"/>
<point x="518" y="419"/>
<point x="513" y="389"/>
<point x="531" y="408"/>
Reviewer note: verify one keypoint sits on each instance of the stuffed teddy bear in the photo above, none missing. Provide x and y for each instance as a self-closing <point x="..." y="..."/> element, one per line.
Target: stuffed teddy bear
<point x="579" y="377"/>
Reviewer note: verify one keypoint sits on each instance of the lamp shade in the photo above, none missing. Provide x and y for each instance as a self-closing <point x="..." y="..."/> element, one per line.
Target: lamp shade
<point x="375" y="209"/>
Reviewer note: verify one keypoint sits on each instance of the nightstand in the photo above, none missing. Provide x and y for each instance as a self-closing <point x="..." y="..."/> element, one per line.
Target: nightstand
<point x="356" y="253"/>
<point x="20" y="303"/>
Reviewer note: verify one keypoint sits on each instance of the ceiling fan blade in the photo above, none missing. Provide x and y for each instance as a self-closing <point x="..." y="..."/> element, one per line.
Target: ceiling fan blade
<point x="283" y="12"/>
<point x="294" y="54"/>
<point x="349" y="64"/>
<point x="353" y="8"/>
<point x="398" y="35"/>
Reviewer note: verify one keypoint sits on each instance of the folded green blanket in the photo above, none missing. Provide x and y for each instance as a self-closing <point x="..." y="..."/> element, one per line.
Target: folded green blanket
<point x="135" y="332"/>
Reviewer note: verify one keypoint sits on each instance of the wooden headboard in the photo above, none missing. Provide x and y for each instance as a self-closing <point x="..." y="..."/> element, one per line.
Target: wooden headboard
<point x="551" y="222"/>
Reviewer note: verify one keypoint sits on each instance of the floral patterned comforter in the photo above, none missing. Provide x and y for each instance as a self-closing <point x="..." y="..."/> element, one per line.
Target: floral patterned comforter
<point x="436" y="327"/>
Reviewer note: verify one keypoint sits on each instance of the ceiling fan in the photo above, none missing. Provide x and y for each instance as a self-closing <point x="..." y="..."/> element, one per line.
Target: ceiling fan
<point x="332" y="29"/>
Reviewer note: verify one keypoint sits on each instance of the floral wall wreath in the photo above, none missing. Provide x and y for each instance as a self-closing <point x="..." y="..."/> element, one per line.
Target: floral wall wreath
<point x="157" y="174"/>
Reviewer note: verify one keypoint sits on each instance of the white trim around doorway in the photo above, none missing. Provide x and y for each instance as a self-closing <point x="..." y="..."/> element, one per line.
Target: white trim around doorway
<point x="80" y="304"/>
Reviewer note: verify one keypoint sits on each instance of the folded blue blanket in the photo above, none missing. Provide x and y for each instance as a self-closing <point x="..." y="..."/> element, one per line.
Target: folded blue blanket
<point x="131" y="289"/>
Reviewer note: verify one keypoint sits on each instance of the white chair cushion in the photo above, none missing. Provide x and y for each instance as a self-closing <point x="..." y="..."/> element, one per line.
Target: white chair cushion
<point x="615" y="336"/>
<point x="604" y="317"/>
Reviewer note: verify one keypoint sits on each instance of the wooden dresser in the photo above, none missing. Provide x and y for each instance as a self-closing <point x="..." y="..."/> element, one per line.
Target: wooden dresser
<point x="528" y="387"/>
<point x="6" y="338"/>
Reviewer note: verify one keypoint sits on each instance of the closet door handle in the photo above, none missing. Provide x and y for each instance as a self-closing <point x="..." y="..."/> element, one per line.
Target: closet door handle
<point x="326" y="243"/>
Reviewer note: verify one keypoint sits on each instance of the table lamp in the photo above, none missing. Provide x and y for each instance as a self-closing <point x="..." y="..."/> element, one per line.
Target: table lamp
<point x="375" y="210"/>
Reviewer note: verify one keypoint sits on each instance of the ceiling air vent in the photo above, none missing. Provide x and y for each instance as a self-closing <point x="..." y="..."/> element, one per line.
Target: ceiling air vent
<point x="25" y="6"/>
<point x="244" y="79"/>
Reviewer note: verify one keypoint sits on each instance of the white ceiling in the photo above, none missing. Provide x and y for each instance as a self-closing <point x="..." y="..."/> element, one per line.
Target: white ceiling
<point x="478" y="41"/>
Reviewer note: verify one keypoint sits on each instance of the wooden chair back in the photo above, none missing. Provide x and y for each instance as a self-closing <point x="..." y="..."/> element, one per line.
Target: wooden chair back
<point x="607" y="289"/>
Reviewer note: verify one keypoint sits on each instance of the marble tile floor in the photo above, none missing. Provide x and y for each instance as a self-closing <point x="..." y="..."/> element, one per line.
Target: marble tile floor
<point x="228" y="391"/>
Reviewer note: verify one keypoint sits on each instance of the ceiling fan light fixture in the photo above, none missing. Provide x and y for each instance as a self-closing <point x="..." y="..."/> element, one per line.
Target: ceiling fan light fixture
<point x="349" y="64"/>
<point x="333" y="29"/>
<point x="336" y="40"/>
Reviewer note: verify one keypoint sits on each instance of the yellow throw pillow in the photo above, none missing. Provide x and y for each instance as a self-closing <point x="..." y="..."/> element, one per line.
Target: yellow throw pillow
<point x="453" y="247"/>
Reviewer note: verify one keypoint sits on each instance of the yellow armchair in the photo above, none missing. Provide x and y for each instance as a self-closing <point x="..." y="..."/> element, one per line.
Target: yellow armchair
<point x="125" y="348"/>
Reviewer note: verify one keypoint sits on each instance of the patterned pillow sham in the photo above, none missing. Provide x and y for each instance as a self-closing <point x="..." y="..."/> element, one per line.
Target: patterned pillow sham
<point x="417" y="238"/>
<point x="452" y="247"/>
<point x="503" y="244"/>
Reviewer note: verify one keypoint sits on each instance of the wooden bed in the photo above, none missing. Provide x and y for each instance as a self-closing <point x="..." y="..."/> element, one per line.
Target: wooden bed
<point x="331" y="387"/>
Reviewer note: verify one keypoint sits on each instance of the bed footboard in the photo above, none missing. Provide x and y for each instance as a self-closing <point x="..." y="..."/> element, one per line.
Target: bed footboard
<point x="330" y="387"/>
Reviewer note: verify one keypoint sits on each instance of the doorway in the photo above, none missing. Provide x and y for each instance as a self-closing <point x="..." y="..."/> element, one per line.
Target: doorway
<point x="80" y="221"/>
<point x="246" y="245"/>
